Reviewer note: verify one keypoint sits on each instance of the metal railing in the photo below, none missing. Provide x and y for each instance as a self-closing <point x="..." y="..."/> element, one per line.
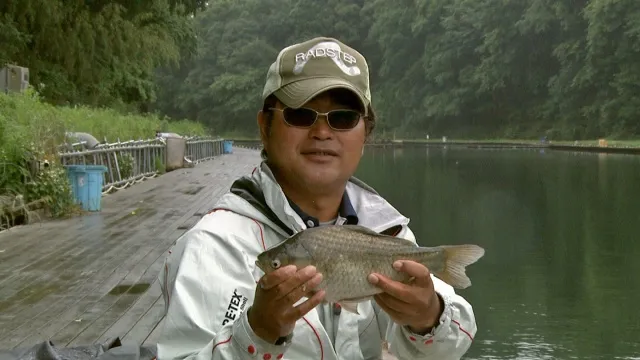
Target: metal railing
<point x="203" y="149"/>
<point x="248" y="144"/>
<point x="134" y="161"/>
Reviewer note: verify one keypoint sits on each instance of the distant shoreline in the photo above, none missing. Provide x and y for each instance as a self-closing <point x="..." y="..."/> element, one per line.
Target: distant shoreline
<point x="612" y="147"/>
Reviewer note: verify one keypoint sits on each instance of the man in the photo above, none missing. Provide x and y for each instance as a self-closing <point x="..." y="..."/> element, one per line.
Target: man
<point x="316" y="116"/>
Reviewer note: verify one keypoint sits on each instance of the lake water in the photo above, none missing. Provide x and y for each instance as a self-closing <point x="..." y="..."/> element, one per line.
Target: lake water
<point x="560" y="278"/>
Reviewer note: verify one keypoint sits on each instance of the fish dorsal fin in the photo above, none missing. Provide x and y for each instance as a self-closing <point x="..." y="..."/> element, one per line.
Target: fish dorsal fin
<point x="380" y="237"/>
<point x="361" y="229"/>
<point x="392" y="231"/>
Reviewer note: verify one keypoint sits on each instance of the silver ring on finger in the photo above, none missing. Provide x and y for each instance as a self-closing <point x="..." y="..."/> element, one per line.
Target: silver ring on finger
<point x="304" y="287"/>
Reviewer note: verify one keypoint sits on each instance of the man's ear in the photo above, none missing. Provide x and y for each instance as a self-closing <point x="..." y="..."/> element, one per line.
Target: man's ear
<point x="263" y="126"/>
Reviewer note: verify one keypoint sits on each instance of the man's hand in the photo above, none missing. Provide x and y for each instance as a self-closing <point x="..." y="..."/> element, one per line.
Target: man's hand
<point x="272" y="314"/>
<point x="416" y="305"/>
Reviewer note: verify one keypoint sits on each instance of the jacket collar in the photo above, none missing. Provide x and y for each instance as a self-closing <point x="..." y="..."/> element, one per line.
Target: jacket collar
<point x="346" y="211"/>
<point x="260" y="197"/>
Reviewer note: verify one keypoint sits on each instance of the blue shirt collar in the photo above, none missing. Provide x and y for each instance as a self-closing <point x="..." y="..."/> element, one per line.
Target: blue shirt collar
<point x="346" y="211"/>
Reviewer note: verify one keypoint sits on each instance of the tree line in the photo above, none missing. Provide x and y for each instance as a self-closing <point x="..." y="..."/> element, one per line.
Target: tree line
<point x="102" y="53"/>
<point x="565" y="69"/>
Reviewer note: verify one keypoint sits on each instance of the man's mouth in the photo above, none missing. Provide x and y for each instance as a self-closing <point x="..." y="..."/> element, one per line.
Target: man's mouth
<point x="320" y="152"/>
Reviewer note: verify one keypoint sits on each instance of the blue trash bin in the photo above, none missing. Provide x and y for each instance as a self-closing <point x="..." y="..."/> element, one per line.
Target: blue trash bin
<point x="227" y="147"/>
<point x="86" y="184"/>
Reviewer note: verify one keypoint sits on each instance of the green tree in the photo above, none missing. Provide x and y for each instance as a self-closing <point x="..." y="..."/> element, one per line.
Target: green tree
<point x="100" y="53"/>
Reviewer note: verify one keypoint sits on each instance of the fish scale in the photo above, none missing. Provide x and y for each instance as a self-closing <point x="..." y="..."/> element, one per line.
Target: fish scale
<point x="345" y="265"/>
<point x="347" y="254"/>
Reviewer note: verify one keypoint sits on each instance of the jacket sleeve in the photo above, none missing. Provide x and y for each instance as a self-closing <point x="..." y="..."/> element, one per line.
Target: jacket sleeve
<point x="450" y="338"/>
<point x="208" y="284"/>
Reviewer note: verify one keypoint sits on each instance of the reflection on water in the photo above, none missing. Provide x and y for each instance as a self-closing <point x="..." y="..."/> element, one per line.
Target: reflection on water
<point x="560" y="279"/>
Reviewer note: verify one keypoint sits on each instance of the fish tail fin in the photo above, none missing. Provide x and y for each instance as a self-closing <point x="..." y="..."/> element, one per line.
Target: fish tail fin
<point x="457" y="258"/>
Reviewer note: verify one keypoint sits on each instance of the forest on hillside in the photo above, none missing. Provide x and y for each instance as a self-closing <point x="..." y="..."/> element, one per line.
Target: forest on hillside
<point x="567" y="69"/>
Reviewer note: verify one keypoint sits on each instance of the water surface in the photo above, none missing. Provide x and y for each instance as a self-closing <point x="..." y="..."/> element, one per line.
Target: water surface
<point x="560" y="278"/>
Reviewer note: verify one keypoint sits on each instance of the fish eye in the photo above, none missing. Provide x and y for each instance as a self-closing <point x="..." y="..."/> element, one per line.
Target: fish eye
<point x="275" y="263"/>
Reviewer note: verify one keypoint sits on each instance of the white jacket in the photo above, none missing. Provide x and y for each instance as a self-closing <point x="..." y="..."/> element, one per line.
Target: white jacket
<point x="209" y="278"/>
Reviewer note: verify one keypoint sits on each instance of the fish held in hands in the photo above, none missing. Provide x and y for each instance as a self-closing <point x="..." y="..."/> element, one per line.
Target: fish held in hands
<point x="347" y="254"/>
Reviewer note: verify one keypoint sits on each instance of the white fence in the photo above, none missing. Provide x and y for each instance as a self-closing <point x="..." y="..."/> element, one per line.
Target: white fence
<point x="134" y="161"/>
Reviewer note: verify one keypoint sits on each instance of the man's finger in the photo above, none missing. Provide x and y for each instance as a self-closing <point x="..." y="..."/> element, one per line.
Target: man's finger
<point x="297" y="293"/>
<point x="294" y="314"/>
<point x="420" y="272"/>
<point x="295" y="281"/>
<point x="309" y="288"/>
<point x="275" y="278"/>
<point x="395" y="315"/>
<point x="393" y="288"/>
<point x="392" y="303"/>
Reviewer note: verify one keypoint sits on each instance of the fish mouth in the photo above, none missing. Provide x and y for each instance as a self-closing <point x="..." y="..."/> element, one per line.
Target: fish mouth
<point x="258" y="265"/>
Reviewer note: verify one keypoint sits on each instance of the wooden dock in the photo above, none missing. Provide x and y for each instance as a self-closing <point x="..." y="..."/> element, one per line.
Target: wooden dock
<point x="87" y="279"/>
<point x="93" y="278"/>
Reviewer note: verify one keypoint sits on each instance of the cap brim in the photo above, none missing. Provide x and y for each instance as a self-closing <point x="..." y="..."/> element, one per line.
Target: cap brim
<point x="296" y="94"/>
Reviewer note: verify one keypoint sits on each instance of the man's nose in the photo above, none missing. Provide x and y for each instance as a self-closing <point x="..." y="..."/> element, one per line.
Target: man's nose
<point x="321" y="129"/>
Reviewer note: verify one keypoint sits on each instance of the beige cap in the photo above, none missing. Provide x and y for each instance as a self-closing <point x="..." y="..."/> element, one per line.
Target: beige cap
<point x="304" y="70"/>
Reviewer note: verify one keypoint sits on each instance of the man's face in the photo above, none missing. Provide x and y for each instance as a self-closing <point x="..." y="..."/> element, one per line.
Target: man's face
<point x="317" y="157"/>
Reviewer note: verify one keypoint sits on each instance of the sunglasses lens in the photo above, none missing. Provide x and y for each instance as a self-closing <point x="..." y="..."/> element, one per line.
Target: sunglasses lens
<point x="344" y="119"/>
<point x="338" y="119"/>
<point x="299" y="117"/>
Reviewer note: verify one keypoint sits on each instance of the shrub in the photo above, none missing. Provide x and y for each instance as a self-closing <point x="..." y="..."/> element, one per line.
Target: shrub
<point x="31" y="132"/>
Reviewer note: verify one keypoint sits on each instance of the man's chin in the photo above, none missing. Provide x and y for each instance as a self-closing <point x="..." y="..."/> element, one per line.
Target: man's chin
<point x="322" y="179"/>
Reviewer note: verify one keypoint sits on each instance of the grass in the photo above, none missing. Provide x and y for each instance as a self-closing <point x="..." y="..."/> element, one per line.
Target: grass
<point x="27" y="113"/>
<point x="31" y="129"/>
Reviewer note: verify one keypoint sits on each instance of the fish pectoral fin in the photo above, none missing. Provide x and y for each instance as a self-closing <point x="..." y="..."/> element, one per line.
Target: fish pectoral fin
<point x="351" y="305"/>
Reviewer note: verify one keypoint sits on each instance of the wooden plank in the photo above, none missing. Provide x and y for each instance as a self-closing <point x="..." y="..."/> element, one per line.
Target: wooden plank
<point x="82" y="255"/>
<point x="129" y="318"/>
<point x="102" y="268"/>
<point x="81" y="238"/>
<point x="65" y="328"/>
<point x="62" y="289"/>
<point x="140" y="332"/>
<point x="79" y="298"/>
<point x="144" y="272"/>
<point x="155" y="333"/>
<point x="40" y="251"/>
<point x="9" y="247"/>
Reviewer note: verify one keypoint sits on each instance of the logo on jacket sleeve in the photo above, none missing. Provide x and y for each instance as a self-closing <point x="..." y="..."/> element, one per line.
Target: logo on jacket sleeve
<point x="236" y="306"/>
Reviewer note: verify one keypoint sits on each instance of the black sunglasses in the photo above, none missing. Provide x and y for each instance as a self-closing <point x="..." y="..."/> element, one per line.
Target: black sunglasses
<point x="339" y="120"/>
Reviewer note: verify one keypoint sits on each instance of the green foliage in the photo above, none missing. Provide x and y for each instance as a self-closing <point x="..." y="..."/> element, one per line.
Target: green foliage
<point x="11" y="206"/>
<point x="160" y="167"/>
<point x="461" y="68"/>
<point x="464" y="68"/>
<point x="52" y="186"/>
<point x="100" y="53"/>
<point x="125" y="164"/>
<point x="222" y="86"/>
<point x="27" y="118"/>
<point x="32" y="130"/>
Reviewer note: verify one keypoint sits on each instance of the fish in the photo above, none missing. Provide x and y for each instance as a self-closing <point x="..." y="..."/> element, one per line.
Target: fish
<point x="347" y="254"/>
